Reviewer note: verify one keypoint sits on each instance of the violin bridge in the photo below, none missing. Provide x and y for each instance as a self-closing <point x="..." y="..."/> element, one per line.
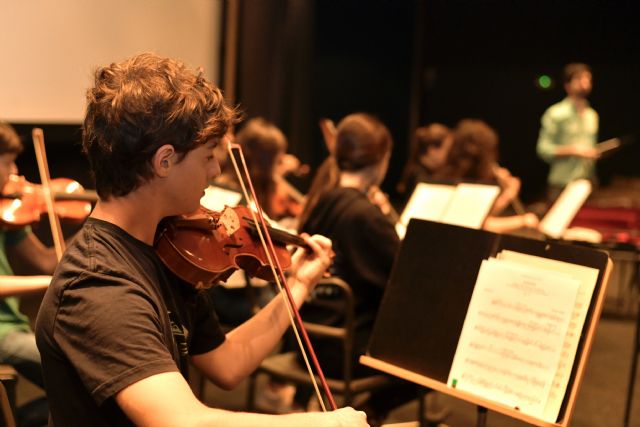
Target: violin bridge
<point x="229" y="221"/>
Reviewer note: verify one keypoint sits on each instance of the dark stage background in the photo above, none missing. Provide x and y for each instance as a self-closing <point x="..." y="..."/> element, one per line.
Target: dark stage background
<point x="414" y="62"/>
<point x="482" y="59"/>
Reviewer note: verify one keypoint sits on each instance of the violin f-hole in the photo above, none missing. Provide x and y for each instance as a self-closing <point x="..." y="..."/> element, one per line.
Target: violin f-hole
<point x="228" y="246"/>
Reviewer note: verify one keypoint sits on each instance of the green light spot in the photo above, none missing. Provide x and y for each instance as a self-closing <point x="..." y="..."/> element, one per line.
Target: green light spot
<point x="544" y="81"/>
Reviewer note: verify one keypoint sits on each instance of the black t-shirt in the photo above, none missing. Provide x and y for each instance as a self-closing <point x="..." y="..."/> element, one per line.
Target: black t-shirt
<point x="365" y="244"/>
<point x="112" y="316"/>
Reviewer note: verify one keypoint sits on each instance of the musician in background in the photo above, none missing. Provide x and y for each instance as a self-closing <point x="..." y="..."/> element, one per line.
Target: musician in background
<point x="569" y="130"/>
<point x="116" y="328"/>
<point x="364" y="240"/>
<point x="17" y="341"/>
<point x="431" y="147"/>
<point x="265" y="151"/>
<point x="374" y="193"/>
<point x="473" y="157"/>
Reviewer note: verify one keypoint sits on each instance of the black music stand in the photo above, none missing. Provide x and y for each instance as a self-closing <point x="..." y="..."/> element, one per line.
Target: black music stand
<point x="424" y="307"/>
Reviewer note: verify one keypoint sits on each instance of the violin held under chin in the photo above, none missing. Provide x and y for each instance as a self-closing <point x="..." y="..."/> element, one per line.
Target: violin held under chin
<point x="207" y="247"/>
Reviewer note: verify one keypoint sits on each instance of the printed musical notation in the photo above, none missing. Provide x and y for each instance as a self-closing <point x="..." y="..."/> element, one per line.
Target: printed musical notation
<point x="586" y="277"/>
<point x="515" y="334"/>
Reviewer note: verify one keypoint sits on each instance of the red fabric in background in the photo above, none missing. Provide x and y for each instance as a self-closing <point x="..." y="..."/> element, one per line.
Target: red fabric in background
<point x="616" y="224"/>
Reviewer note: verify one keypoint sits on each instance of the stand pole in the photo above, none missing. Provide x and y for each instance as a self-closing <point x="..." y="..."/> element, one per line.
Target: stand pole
<point x="482" y="416"/>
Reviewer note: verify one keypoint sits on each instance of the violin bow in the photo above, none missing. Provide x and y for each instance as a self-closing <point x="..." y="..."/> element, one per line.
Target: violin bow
<point x="278" y="274"/>
<point x="516" y="203"/>
<point x="43" y="167"/>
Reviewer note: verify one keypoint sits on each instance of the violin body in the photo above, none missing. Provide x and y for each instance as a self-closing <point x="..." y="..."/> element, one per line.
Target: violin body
<point x="206" y="247"/>
<point x="23" y="202"/>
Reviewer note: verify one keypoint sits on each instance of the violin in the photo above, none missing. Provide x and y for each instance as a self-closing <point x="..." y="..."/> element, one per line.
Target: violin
<point x="206" y="247"/>
<point x="289" y="164"/>
<point x="286" y="200"/>
<point x="23" y="202"/>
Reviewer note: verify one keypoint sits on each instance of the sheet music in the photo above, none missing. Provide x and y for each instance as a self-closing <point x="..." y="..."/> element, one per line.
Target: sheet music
<point x="564" y="209"/>
<point x="470" y="205"/>
<point x="513" y="335"/>
<point x="466" y="205"/>
<point x="428" y="202"/>
<point x="587" y="278"/>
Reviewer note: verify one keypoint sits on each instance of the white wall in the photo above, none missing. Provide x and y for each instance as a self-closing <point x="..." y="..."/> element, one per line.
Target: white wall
<point x="50" y="48"/>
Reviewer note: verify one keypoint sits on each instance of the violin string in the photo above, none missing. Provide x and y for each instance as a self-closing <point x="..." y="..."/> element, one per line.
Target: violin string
<point x="289" y="304"/>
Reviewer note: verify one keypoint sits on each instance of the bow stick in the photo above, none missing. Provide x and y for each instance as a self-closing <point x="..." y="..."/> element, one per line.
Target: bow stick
<point x="280" y="280"/>
<point x="43" y="167"/>
<point x="515" y="202"/>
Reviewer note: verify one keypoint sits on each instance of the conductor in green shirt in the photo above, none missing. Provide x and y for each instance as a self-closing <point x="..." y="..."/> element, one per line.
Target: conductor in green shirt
<point x="569" y="131"/>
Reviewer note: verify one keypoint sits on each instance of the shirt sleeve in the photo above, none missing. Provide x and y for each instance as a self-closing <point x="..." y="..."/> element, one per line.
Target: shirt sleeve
<point x="114" y="334"/>
<point x="16" y="236"/>
<point x="546" y="146"/>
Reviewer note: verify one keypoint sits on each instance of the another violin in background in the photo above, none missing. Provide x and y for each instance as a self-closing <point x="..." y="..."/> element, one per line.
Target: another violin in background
<point x="287" y="200"/>
<point x="23" y="202"/>
<point x="265" y="149"/>
<point x="381" y="200"/>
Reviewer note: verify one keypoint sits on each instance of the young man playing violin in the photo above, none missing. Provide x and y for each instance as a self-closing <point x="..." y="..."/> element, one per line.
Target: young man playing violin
<point x="17" y="341"/>
<point x="115" y="328"/>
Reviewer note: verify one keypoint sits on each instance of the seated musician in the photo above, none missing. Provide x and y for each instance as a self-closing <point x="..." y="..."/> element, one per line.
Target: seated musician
<point x="473" y="157"/>
<point x="431" y="147"/>
<point x="364" y="240"/>
<point x="17" y="341"/>
<point x="115" y="328"/>
<point x="265" y="152"/>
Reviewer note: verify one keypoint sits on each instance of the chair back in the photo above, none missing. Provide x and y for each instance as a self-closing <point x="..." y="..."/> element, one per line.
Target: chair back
<point x="334" y="294"/>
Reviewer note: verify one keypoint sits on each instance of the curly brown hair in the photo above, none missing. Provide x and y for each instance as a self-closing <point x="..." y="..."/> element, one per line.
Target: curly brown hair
<point x="474" y="152"/>
<point x="140" y="104"/>
<point x="424" y="137"/>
